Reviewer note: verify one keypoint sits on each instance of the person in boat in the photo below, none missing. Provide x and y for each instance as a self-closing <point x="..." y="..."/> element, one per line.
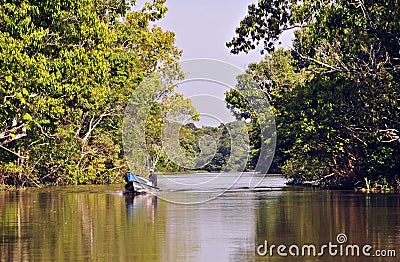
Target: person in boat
<point x="153" y="177"/>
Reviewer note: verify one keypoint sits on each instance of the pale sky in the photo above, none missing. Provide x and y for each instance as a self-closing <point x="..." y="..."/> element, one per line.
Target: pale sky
<point x="202" y="28"/>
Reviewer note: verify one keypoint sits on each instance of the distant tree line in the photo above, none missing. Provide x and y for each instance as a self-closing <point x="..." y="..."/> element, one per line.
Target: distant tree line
<point x="215" y="158"/>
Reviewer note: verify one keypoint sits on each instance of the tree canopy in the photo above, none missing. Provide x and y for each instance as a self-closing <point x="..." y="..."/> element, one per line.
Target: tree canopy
<point x="67" y="70"/>
<point x="335" y="92"/>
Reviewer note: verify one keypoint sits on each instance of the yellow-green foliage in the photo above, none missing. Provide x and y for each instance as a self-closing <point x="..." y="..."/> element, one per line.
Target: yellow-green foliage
<point x="67" y="70"/>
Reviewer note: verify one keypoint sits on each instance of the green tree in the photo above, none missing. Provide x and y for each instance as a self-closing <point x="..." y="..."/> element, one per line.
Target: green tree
<point x="336" y="96"/>
<point x="67" y="70"/>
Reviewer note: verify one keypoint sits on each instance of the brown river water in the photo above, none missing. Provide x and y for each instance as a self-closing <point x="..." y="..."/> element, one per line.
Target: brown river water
<point x="199" y="218"/>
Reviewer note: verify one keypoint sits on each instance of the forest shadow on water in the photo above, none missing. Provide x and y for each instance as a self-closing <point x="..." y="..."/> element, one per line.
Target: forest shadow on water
<point x="98" y="223"/>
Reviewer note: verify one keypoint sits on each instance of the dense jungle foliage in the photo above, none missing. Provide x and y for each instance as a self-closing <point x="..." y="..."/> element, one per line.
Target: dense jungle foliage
<point x="67" y="70"/>
<point x="335" y="91"/>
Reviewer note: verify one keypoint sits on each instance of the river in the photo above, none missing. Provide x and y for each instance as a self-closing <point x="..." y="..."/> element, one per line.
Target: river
<point x="199" y="222"/>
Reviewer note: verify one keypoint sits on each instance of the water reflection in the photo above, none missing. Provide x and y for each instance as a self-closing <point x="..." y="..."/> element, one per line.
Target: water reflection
<point x="100" y="224"/>
<point x="141" y="203"/>
<point x="317" y="217"/>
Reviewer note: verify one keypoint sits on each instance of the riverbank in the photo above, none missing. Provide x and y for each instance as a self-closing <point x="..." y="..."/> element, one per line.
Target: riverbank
<point x="329" y="182"/>
<point x="332" y="182"/>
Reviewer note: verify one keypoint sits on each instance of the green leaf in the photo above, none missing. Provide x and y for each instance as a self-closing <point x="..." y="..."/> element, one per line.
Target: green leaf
<point x="18" y="96"/>
<point x="27" y="117"/>
<point x="25" y="92"/>
<point x="9" y="79"/>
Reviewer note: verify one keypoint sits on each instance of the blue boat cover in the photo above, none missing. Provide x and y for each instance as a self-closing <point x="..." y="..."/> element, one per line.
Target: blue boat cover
<point x="131" y="177"/>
